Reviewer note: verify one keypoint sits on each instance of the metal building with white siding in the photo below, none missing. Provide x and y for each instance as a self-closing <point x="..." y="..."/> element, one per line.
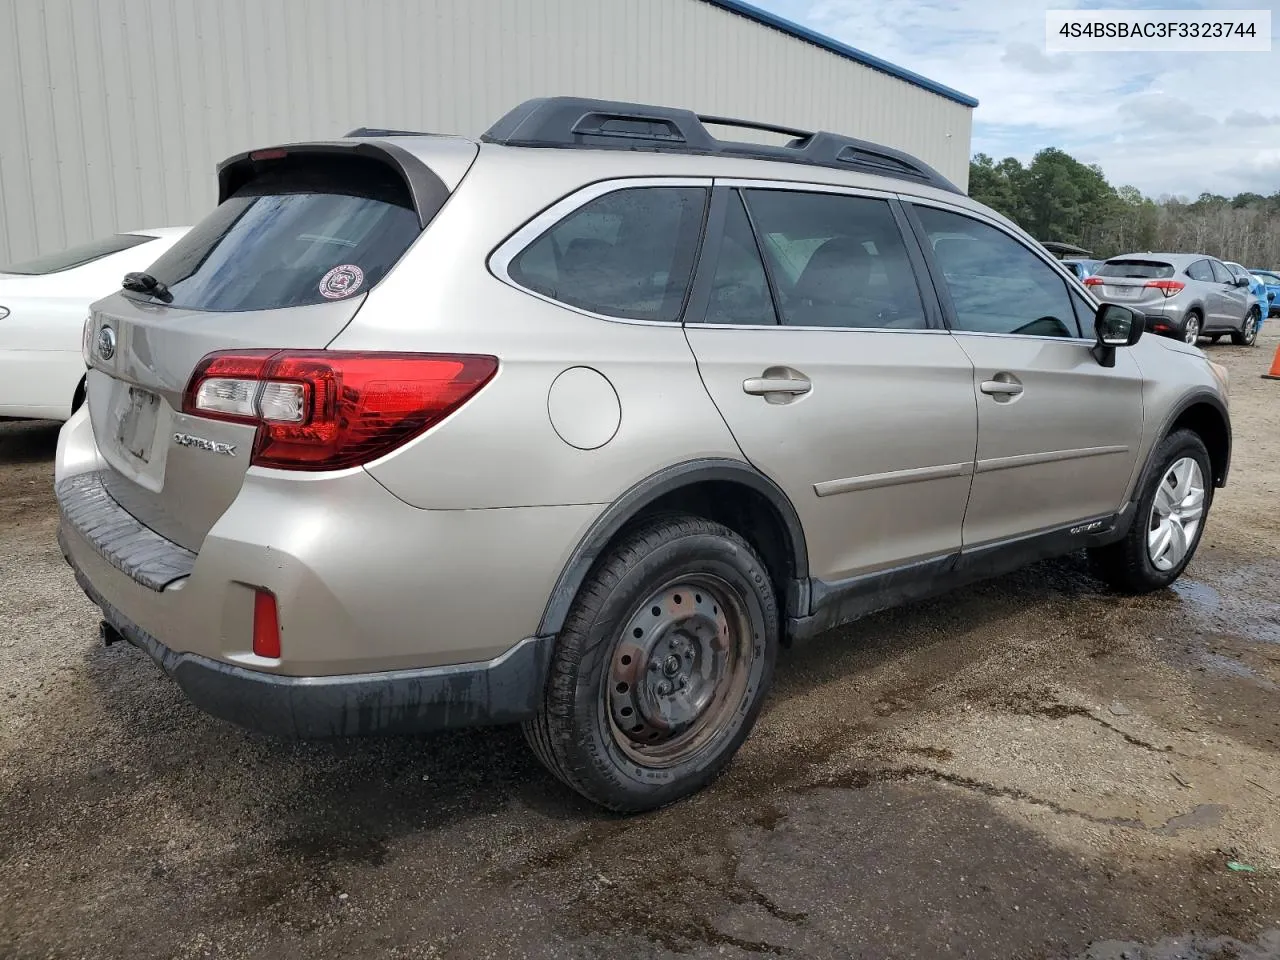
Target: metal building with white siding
<point x="114" y="112"/>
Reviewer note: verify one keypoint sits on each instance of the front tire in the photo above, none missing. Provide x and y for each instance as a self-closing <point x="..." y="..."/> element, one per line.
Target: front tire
<point x="1171" y="511"/>
<point x="662" y="666"/>
<point x="1248" y="334"/>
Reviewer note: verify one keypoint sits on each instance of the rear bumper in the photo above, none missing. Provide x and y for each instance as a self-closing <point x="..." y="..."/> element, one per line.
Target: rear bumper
<point x="1162" y="320"/>
<point x="502" y="690"/>
<point x="392" y="618"/>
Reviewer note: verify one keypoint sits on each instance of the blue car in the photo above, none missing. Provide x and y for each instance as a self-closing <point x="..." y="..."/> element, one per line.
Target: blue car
<point x="1080" y="267"/>
<point x="1256" y="288"/>
<point x="1270" y="279"/>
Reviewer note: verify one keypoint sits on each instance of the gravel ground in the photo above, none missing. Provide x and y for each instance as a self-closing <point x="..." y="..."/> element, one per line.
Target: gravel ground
<point x="1028" y="768"/>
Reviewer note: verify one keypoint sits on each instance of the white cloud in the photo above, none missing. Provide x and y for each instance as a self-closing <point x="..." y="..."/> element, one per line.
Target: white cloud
<point x="1166" y="123"/>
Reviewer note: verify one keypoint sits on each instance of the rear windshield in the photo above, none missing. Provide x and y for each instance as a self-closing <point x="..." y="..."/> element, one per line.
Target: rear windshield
<point x="314" y="229"/>
<point x="77" y="256"/>
<point x="1136" y="269"/>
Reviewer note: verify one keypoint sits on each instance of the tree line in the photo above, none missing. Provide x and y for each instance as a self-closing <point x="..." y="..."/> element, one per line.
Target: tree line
<point x="1058" y="198"/>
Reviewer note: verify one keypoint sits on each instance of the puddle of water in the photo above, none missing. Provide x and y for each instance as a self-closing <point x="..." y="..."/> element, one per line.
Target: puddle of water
<point x="1234" y="668"/>
<point x="1237" y="613"/>
<point x="1198" y="594"/>
<point x="1205" y="815"/>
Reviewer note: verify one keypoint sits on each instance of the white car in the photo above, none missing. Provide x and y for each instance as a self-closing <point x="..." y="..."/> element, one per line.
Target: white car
<point x="43" y="305"/>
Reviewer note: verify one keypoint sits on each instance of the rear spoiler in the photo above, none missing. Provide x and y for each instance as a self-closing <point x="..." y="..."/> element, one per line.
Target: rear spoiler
<point x="425" y="188"/>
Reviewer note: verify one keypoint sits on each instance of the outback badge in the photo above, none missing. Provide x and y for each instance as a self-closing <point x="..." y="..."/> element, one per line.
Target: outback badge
<point x="200" y="443"/>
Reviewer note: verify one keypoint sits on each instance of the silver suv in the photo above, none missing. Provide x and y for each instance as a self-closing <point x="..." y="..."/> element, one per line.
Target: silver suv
<point x="576" y="425"/>
<point x="1183" y="295"/>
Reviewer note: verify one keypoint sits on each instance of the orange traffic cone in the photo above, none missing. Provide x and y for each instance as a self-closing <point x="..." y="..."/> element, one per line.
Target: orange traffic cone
<point x="1274" y="373"/>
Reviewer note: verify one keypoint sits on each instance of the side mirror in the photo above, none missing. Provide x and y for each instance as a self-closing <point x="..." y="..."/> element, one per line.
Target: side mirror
<point x="1115" y="326"/>
<point x="1242" y="281"/>
<point x="1271" y="296"/>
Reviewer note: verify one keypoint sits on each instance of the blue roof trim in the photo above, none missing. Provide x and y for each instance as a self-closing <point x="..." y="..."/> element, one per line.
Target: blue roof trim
<point x="840" y="49"/>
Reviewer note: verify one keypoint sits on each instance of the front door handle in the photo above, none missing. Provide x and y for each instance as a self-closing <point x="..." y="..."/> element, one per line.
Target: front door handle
<point x="763" y="386"/>
<point x="1001" y="388"/>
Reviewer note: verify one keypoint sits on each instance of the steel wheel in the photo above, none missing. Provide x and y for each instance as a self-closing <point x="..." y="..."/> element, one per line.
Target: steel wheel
<point x="1176" y="514"/>
<point x="679" y="672"/>
<point x="1191" y="332"/>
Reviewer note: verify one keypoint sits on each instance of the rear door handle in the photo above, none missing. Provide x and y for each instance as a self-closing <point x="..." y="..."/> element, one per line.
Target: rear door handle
<point x="763" y="386"/>
<point x="1001" y="388"/>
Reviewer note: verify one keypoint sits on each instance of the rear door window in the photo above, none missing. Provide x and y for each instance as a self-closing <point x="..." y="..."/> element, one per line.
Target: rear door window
<point x="323" y="230"/>
<point x="626" y="254"/>
<point x="740" y="289"/>
<point x="78" y="256"/>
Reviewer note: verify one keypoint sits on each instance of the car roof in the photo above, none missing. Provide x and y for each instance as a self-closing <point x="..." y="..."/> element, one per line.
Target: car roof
<point x="1173" y="259"/>
<point x="160" y="233"/>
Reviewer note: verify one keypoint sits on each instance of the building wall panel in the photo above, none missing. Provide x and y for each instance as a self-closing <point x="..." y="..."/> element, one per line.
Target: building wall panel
<point x="115" y="112"/>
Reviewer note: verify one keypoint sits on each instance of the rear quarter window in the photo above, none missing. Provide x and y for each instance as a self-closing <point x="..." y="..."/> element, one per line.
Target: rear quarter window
<point x="78" y="256"/>
<point x="626" y="254"/>
<point x="325" y="229"/>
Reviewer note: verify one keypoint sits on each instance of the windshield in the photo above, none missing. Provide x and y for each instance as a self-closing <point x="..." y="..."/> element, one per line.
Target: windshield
<point x="325" y="229"/>
<point x="1136" y="269"/>
<point x="77" y="256"/>
<point x="1270" y="279"/>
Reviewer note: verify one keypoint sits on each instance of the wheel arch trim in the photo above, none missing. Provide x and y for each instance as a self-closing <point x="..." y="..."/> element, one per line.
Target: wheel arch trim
<point x="666" y="481"/>
<point x="1196" y="398"/>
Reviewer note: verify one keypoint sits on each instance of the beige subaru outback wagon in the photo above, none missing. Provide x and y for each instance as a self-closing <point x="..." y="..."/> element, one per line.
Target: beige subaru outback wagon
<point x="575" y="425"/>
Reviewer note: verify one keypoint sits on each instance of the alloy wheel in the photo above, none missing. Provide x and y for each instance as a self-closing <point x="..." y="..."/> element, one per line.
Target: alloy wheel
<point x="1250" y="331"/>
<point x="1176" y="514"/>
<point x="1192" y="333"/>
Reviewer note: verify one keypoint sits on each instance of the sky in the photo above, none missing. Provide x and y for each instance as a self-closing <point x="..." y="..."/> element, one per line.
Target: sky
<point x="1166" y="123"/>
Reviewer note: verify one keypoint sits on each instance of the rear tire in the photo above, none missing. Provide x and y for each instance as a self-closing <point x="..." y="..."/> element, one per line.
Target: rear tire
<point x="643" y="708"/>
<point x="1248" y="334"/>
<point x="1192" y="326"/>
<point x="1163" y="537"/>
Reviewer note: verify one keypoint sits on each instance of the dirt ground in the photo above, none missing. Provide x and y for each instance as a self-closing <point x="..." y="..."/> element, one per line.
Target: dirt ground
<point x="1029" y="768"/>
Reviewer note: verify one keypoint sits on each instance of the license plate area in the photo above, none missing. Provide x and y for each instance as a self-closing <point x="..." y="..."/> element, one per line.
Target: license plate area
<point x="136" y="426"/>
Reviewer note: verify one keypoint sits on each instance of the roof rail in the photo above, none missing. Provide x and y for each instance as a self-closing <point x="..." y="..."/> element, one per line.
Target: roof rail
<point x="569" y="122"/>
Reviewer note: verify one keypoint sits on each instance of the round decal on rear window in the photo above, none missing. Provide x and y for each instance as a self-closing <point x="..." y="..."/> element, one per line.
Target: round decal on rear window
<point x="341" y="281"/>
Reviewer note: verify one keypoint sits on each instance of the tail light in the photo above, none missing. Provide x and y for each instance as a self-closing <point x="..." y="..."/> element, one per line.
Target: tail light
<point x="1167" y="287"/>
<point x="326" y="410"/>
<point x="1093" y="281"/>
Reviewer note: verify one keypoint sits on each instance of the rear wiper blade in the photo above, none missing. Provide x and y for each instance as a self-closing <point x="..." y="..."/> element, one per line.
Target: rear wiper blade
<point x="146" y="283"/>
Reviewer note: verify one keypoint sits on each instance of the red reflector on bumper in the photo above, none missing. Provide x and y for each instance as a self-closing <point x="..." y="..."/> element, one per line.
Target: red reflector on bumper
<point x="266" y="625"/>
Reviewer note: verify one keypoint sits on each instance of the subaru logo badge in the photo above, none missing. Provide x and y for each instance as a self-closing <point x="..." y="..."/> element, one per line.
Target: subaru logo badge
<point x="106" y="343"/>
